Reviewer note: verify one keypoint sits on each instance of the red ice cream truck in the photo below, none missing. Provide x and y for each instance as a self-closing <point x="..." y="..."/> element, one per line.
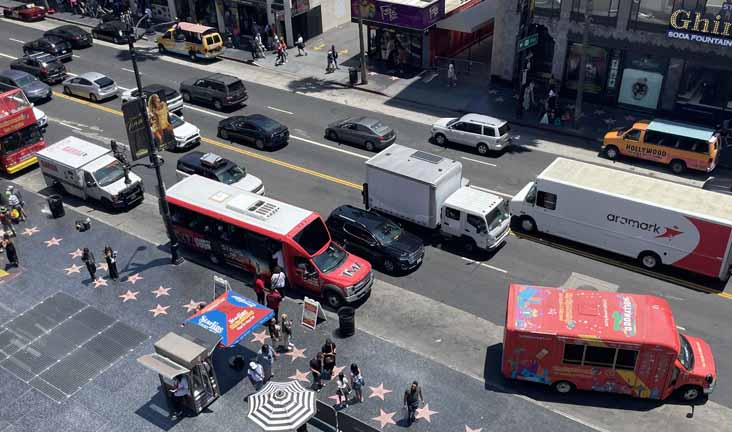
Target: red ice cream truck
<point x="603" y="341"/>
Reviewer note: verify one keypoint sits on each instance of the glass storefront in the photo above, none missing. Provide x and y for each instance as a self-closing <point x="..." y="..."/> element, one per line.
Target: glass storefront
<point x="705" y="87"/>
<point x="595" y="68"/>
<point x="396" y="48"/>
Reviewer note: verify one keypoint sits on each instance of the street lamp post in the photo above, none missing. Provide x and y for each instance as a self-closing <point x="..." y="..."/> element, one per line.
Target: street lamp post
<point x="155" y="159"/>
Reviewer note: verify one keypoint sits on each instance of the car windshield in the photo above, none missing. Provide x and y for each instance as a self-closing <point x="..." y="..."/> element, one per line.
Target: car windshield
<point x="109" y="174"/>
<point x="330" y="258"/>
<point x="268" y="124"/>
<point x="176" y="121"/>
<point x="25" y="80"/>
<point x="496" y="217"/>
<point x="387" y="232"/>
<point x="686" y="355"/>
<point x="231" y="175"/>
<point x="104" y="82"/>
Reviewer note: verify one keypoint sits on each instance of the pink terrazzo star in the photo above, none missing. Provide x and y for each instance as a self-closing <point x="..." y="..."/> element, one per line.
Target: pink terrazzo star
<point x="77" y="253"/>
<point x="160" y="291"/>
<point x="300" y="376"/>
<point x="425" y="413"/>
<point x="134" y="278"/>
<point x="296" y="353"/>
<point x="191" y="306"/>
<point x="469" y="429"/>
<point x="73" y="269"/>
<point x="30" y="231"/>
<point x="385" y="418"/>
<point x="379" y="391"/>
<point x="129" y="295"/>
<point x="102" y="266"/>
<point x="53" y="242"/>
<point x="260" y="337"/>
<point x="337" y="370"/>
<point x="100" y="282"/>
<point x="159" y="310"/>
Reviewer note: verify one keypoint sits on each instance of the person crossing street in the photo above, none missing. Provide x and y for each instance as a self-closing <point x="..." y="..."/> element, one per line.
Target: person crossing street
<point x="412" y="398"/>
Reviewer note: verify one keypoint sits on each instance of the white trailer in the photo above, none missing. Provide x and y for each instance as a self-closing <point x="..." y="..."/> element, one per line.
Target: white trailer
<point x="89" y="171"/>
<point x="656" y="221"/>
<point x="430" y="191"/>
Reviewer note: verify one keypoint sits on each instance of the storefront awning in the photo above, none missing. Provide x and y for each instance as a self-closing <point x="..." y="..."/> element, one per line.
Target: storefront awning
<point x="471" y="19"/>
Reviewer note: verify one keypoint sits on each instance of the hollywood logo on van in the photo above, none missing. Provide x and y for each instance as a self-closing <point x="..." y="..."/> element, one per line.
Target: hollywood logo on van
<point x="624" y="319"/>
<point x="663" y="232"/>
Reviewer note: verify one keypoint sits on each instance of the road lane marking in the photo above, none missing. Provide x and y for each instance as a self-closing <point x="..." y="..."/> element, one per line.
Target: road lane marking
<point x="484" y="265"/>
<point x="69" y="126"/>
<point x="8" y="56"/>
<point x="503" y="194"/>
<point x="123" y="88"/>
<point x="88" y="103"/>
<point x="191" y="107"/>
<point x="130" y="71"/>
<point x="71" y="74"/>
<point x="477" y="161"/>
<point x="315" y="143"/>
<point x="75" y="56"/>
<point x="280" y="110"/>
<point x="17" y="40"/>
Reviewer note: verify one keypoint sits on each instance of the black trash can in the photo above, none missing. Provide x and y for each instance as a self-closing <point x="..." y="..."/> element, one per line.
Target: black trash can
<point x="347" y="321"/>
<point x="56" y="206"/>
<point x="353" y="76"/>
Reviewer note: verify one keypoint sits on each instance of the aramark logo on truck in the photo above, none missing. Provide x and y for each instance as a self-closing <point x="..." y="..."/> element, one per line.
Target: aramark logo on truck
<point x="663" y="232"/>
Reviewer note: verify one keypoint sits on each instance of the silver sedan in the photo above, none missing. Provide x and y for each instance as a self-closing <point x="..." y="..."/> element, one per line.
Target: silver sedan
<point x="368" y="132"/>
<point x="91" y="85"/>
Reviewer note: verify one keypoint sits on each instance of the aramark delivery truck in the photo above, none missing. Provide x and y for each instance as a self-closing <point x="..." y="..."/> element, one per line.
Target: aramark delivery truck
<point x="89" y="171"/>
<point x="656" y="221"/>
<point x="430" y="191"/>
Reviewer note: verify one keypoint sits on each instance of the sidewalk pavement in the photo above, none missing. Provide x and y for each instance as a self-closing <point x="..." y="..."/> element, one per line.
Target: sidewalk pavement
<point x="150" y="299"/>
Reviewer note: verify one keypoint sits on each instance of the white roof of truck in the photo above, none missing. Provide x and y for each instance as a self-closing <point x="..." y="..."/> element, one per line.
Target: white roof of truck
<point x="416" y="164"/>
<point x="467" y="198"/>
<point x="73" y="152"/>
<point x="249" y="208"/>
<point x="661" y="193"/>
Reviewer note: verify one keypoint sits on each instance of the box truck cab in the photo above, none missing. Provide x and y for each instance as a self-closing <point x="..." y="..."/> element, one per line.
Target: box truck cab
<point x="602" y="341"/>
<point x="430" y="191"/>
<point x="90" y="172"/>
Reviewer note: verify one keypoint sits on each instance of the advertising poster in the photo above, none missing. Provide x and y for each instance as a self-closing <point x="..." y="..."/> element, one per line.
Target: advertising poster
<point x="640" y="88"/>
<point x="310" y="309"/>
<point x="139" y="138"/>
<point x="162" y="129"/>
<point x="595" y="68"/>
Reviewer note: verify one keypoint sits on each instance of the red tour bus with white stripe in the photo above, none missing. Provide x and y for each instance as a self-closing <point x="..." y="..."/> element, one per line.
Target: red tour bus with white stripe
<point x="20" y="136"/>
<point x="246" y="230"/>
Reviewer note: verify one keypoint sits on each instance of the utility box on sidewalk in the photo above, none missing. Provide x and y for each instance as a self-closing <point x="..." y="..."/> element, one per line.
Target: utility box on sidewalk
<point x="353" y="76"/>
<point x="56" y="206"/>
<point x="346" y="321"/>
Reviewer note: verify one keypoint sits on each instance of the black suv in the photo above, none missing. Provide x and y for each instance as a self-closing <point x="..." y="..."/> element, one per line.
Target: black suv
<point x="43" y="66"/>
<point x="218" y="90"/>
<point x="53" y="45"/>
<point x="375" y="238"/>
<point x="256" y="129"/>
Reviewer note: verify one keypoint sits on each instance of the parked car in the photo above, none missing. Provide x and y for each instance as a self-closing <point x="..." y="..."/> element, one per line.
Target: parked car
<point x="26" y="12"/>
<point x="375" y="238"/>
<point x="34" y="89"/>
<point x="261" y="131"/>
<point x="43" y="66"/>
<point x="167" y="94"/>
<point x="53" y="45"/>
<point x="76" y="36"/>
<point x="112" y="31"/>
<point x="91" y="85"/>
<point x="41" y="119"/>
<point x="475" y="130"/>
<point x="218" y="90"/>
<point x="718" y="184"/>
<point x="217" y="168"/>
<point x="186" y="135"/>
<point x="364" y="131"/>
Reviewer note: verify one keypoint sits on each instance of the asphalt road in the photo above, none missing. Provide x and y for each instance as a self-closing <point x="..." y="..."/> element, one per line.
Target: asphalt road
<point x="317" y="174"/>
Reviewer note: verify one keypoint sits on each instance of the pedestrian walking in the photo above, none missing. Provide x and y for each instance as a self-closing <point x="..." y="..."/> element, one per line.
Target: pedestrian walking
<point x="15" y="202"/>
<point x="335" y="56"/>
<point x="451" y="75"/>
<point x="274" y="298"/>
<point x="412" y="398"/>
<point x="10" y="251"/>
<point x="316" y="370"/>
<point x="110" y="256"/>
<point x="300" y="46"/>
<point x="286" y="328"/>
<point x="274" y="330"/>
<point x="91" y="265"/>
<point x="280" y="59"/>
<point x="283" y="47"/>
<point x="329" y="358"/>
<point x="266" y="358"/>
<point x="357" y="381"/>
<point x="256" y="375"/>
<point x="275" y="42"/>
<point x="259" y="288"/>
<point x="6" y="222"/>
<point x="329" y="67"/>
<point x="253" y="49"/>
<point x="279" y="279"/>
<point x="344" y="390"/>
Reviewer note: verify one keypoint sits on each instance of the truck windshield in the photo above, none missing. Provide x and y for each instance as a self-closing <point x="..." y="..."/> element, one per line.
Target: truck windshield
<point x="231" y="175"/>
<point x="109" y="174"/>
<point x="686" y="355"/>
<point x="387" y="233"/>
<point x="496" y="217"/>
<point x="330" y="258"/>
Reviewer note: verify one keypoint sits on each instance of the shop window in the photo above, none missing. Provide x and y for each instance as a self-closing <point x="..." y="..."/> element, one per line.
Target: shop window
<point x="626" y="359"/>
<point x="603" y="11"/>
<point x="705" y="87"/>
<point x="548" y="7"/>
<point x="596" y="68"/>
<point x="599" y="356"/>
<point x="546" y="200"/>
<point x="654" y="15"/>
<point x="573" y="353"/>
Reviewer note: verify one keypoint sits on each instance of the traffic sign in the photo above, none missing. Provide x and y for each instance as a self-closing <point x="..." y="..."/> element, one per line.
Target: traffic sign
<point x="528" y="41"/>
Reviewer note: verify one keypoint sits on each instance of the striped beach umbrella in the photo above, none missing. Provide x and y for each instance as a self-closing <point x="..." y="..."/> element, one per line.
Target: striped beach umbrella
<point x="282" y="406"/>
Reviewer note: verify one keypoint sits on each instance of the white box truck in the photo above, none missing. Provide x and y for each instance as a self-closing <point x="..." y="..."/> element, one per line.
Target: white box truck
<point x="430" y="191"/>
<point x="90" y="172"/>
<point x="656" y="221"/>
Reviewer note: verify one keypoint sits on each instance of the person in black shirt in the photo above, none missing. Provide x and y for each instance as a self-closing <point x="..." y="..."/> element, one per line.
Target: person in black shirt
<point x="329" y="357"/>
<point x="316" y="369"/>
<point x="412" y="398"/>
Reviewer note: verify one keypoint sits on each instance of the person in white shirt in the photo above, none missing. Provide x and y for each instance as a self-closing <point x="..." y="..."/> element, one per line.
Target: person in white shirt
<point x="279" y="280"/>
<point x="180" y="392"/>
<point x="300" y="46"/>
<point x="344" y="389"/>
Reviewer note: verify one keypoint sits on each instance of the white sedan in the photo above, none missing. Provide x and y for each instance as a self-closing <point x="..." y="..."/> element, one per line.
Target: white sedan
<point x="186" y="135"/>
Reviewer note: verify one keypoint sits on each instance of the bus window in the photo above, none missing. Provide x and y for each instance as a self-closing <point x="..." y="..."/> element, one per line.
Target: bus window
<point x="313" y="237"/>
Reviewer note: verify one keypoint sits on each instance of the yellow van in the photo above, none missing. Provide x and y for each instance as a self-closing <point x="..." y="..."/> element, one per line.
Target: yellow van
<point x="194" y="40"/>
<point x="680" y="146"/>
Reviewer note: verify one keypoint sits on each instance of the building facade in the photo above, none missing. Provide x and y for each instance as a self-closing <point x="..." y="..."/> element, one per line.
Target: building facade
<point x="662" y="56"/>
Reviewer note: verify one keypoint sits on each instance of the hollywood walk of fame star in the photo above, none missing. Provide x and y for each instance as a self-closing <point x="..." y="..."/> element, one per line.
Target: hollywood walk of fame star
<point x="260" y="337"/>
<point x="425" y="413"/>
<point x="100" y="281"/>
<point x="296" y="353"/>
<point x="191" y="306"/>
<point x="161" y="291"/>
<point x="159" y="310"/>
<point x="77" y="253"/>
<point x="73" y="269"/>
<point x="53" y="242"/>
<point x="102" y="266"/>
<point x="469" y="429"/>
<point x="337" y="370"/>
<point x="134" y="278"/>
<point x="129" y="295"/>
<point x="379" y="391"/>
<point x="384" y="418"/>
<point x="300" y="376"/>
<point x="30" y="231"/>
<point x="334" y="397"/>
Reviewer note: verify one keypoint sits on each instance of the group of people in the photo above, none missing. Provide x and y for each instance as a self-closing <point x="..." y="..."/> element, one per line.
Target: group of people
<point x="321" y="368"/>
<point x="12" y="212"/>
<point x="110" y="256"/>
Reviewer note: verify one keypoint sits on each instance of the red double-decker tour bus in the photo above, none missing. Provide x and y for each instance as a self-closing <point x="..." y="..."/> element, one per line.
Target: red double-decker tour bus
<point x="20" y="137"/>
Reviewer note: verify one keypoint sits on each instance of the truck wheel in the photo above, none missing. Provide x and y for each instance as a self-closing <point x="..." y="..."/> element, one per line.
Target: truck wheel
<point x="389" y="266"/>
<point x="691" y="393"/>
<point x="217" y="105"/>
<point x="563" y="387"/>
<point x="93" y="97"/>
<point x="469" y="244"/>
<point x="612" y="152"/>
<point x="440" y="139"/>
<point x="259" y="144"/>
<point x="370" y="146"/>
<point x="649" y="260"/>
<point x="224" y="134"/>
<point x="333" y="299"/>
<point x="527" y="224"/>
<point x="677" y="166"/>
<point x="482" y="149"/>
<point x="332" y="135"/>
<point x="186" y="96"/>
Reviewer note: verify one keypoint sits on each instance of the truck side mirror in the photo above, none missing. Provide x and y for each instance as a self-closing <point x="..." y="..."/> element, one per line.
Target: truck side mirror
<point x="90" y="183"/>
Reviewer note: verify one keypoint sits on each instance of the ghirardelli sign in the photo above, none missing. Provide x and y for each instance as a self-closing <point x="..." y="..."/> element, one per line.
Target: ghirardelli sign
<point x="696" y="27"/>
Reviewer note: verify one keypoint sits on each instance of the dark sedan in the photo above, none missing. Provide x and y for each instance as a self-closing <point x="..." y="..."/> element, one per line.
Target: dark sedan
<point x="367" y="132"/>
<point x="76" y="36"/>
<point x="26" y="12"/>
<point x="718" y="184"/>
<point x="53" y="45"/>
<point x="261" y="131"/>
<point x="111" y="31"/>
